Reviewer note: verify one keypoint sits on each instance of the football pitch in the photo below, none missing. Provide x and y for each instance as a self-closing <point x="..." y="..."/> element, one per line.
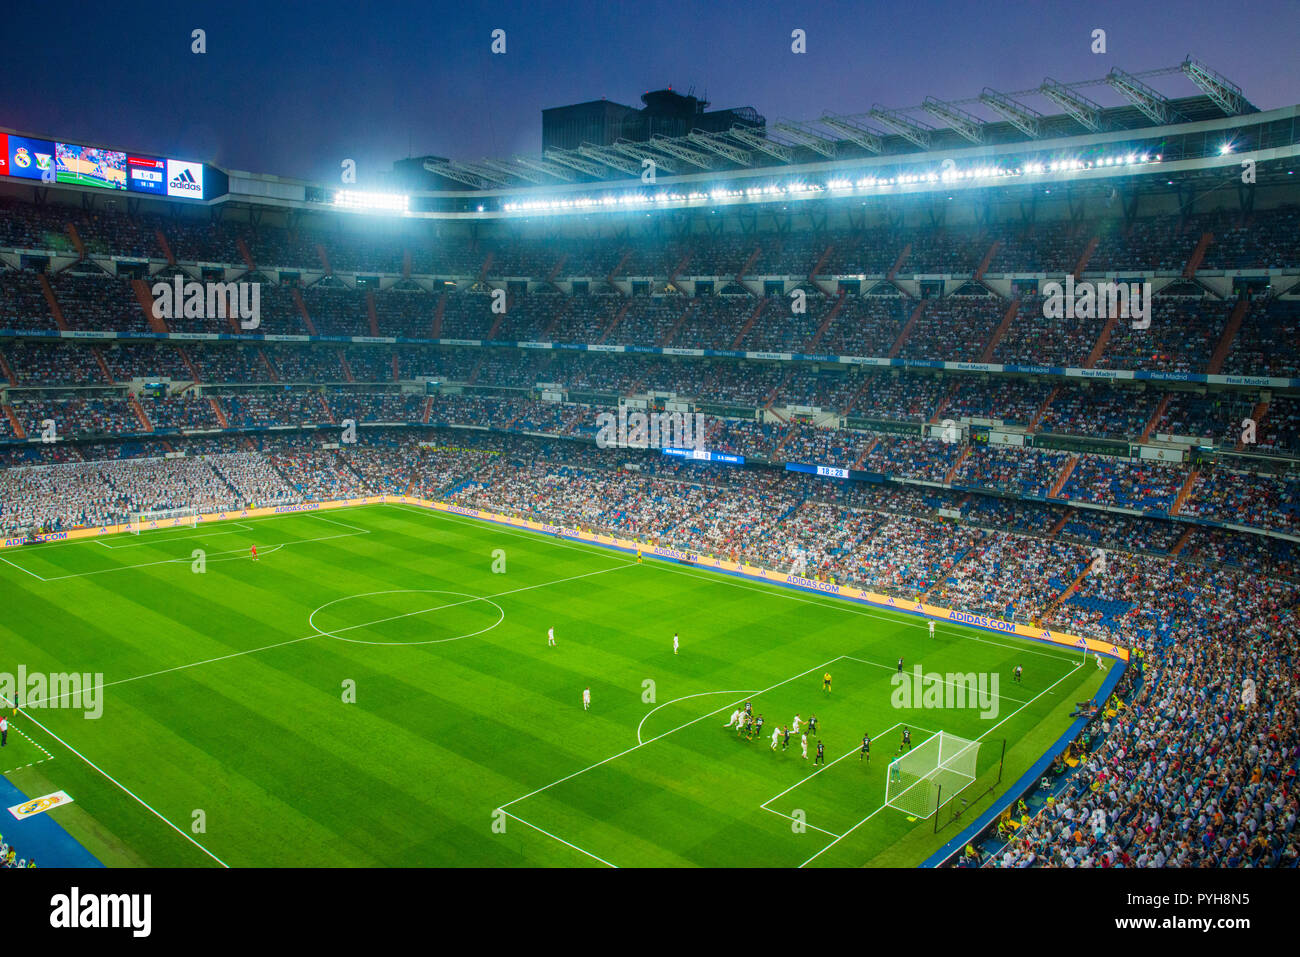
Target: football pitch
<point x="377" y="689"/>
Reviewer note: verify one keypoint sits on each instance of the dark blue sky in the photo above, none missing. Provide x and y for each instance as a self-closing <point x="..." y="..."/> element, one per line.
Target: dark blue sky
<point x="294" y="88"/>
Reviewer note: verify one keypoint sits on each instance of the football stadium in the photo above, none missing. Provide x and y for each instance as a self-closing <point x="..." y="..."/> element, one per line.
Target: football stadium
<point x="916" y="487"/>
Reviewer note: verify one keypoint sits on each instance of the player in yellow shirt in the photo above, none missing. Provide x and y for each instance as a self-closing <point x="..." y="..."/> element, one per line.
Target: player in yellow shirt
<point x="826" y="682"/>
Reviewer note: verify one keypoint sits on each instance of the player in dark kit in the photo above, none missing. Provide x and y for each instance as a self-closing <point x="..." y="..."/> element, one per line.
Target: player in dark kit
<point x="900" y="666"/>
<point x="821" y="754"/>
<point x="866" y="748"/>
<point x="785" y="741"/>
<point x="907" y="740"/>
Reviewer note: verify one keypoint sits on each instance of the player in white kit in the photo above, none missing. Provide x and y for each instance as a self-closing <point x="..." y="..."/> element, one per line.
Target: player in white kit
<point x="550" y="637"/>
<point x="735" y="719"/>
<point x="931" y="629"/>
<point x="795" y="724"/>
<point x="803" y="743"/>
<point x="674" y="642"/>
<point x="586" y="699"/>
<point x="776" y="736"/>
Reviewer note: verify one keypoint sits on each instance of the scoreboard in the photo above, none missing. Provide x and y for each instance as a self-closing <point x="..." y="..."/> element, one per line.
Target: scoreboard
<point x="835" y="471"/>
<point x="146" y="175"/>
<point x="72" y="164"/>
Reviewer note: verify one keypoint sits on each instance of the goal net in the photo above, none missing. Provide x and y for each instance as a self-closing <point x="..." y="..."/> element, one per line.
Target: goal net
<point x="931" y="774"/>
<point x="164" y="518"/>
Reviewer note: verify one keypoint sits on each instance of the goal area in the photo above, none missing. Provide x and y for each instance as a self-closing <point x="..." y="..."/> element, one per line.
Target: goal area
<point x="163" y="518"/>
<point x="931" y="774"/>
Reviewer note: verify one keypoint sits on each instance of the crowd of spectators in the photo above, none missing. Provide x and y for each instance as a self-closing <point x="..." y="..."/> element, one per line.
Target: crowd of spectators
<point x="1196" y="768"/>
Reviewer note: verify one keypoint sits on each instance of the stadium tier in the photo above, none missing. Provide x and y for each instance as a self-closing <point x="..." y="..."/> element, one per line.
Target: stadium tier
<point x="890" y="401"/>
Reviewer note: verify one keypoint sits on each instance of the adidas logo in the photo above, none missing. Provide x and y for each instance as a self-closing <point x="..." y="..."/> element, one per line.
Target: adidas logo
<point x="185" y="181"/>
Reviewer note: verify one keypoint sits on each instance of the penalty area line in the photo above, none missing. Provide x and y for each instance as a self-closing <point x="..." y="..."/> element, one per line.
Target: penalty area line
<point x="797" y="821"/>
<point x="635" y="747"/>
<point x="980" y="737"/>
<point x="702" y="694"/>
<point x="21" y="569"/>
<point x="594" y="857"/>
<point x="641" y="744"/>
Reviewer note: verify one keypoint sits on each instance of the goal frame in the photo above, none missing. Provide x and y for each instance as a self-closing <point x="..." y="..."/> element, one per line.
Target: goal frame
<point x="153" y="519"/>
<point x="923" y="793"/>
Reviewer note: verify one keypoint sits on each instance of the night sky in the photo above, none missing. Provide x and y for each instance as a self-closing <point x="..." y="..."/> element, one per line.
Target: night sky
<point x="293" y="89"/>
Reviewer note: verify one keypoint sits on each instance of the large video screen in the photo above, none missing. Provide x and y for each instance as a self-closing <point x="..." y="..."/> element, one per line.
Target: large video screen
<point x="29" y="158"/>
<point x="75" y="165"/>
<point x="89" y="166"/>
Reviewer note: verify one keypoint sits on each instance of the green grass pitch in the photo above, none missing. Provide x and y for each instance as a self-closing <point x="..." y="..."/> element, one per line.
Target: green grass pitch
<point x="226" y="735"/>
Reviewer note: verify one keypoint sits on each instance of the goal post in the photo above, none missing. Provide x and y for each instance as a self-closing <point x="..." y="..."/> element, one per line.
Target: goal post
<point x="163" y="518"/>
<point x="931" y="774"/>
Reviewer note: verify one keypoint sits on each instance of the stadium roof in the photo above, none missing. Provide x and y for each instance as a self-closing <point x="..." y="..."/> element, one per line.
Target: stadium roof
<point x="990" y="118"/>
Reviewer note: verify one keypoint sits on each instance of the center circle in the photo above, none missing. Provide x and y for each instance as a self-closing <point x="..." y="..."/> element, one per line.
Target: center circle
<point x="468" y="601"/>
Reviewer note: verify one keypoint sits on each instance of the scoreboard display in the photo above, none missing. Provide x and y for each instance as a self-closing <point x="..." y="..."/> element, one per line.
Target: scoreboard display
<point x="26" y="157"/>
<point x="146" y="175"/>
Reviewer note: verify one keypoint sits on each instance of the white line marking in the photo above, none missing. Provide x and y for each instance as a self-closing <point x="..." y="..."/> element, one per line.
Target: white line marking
<point x="120" y="785"/>
<point x="332" y="521"/>
<point x="21" y="569"/>
<point x="215" y="523"/>
<point x="989" y="731"/>
<point x="34" y="743"/>
<point x="804" y="823"/>
<point x="666" y="733"/>
<point x="292" y="641"/>
<point x="186" y="559"/>
<point x="642" y="744"/>
<point x="162" y="541"/>
<point x="311" y="619"/>
<point x="420" y="611"/>
<point x="832" y="764"/>
<point x="560" y="839"/>
<point x="844" y="835"/>
<point x="585" y="548"/>
<point x="722" y="578"/>
<point x="908" y="675"/>
<point x="702" y="694"/>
